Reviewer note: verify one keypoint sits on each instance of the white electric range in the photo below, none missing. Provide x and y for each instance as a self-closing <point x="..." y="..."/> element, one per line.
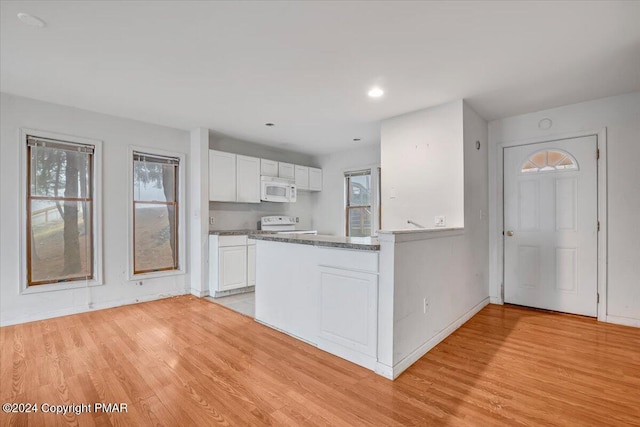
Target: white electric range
<point x="281" y="224"/>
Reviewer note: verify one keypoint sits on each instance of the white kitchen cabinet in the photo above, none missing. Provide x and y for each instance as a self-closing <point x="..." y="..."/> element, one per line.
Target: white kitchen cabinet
<point x="327" y="297"/>
<point x="222" y="176"/>
<point x="268" y="168"/>
<point x="302" y="177"/>
<point x="315" y="179"/>
<point x="286" y="170"/>
<point x="232" y="264"/>
<point x="233" y="267"/>
<point x="348" y="311"/>
<point x="233" y="178"/>
<point x="251" y="263"/>
<point x="247" y="179"/>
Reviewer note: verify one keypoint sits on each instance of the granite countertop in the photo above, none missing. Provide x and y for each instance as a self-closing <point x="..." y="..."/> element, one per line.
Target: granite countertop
<point x="359" y="243"/>
<point x="238" y="232"/>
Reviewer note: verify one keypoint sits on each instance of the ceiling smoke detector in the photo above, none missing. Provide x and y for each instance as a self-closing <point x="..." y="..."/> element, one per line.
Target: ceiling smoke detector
<point x="32" y="21"/>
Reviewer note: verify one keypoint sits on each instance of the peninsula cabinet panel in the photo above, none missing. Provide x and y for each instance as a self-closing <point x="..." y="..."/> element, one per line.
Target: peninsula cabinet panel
<point x="348" y="311"/>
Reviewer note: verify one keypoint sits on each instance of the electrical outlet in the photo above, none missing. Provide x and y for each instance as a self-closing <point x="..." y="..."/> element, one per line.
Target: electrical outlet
<point x="440" y="221"/>
<point x="211" y="220"/>
<point x="425" y="305"/>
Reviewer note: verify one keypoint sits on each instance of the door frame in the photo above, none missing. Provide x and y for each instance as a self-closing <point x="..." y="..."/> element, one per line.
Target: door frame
<point x="496" y="225"/>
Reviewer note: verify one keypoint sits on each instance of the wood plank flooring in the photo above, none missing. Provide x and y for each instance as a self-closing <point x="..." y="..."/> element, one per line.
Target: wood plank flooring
<point x="188" y="362"/>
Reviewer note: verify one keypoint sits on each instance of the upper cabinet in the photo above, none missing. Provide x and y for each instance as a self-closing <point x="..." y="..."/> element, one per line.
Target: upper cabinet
<point x="268" y="168"/>
<point x="247" y="179"/>
<point x="302" y="177"/>
<point x="236" y="178"/>
<point x="315" y="179"/>
<point x="233" y="178"/>
<point x="222" y="176"/>
<point x="286" y="170"/>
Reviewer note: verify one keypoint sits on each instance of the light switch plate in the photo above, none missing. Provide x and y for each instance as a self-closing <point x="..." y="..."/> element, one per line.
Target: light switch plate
<point x="440" y="221"/>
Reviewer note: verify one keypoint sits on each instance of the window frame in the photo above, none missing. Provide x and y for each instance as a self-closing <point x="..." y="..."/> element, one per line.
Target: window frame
<point x="180" y="214"/>
<point x="96" y="214"/>
<point x="375" y="172"/>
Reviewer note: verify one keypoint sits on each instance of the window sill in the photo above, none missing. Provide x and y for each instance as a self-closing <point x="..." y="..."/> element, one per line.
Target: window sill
<point x="52" y="287"/>
<point x="156" y="275"/>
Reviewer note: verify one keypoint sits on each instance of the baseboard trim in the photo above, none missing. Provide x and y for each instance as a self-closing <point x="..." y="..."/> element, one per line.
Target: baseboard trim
<point x="384" y="370"/>
<point x="84" y="309"/>
<point x="496" y="300"/>
<point x="401" y="366"/>
<point x="199" y="293"/>
<point x="626" y="321"/>
<point x="243" y="290"/>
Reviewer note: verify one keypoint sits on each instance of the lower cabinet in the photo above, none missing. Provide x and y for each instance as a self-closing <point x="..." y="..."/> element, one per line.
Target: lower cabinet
<point x="232" y="271"/>
<point x="232" y="263"/>
<point x="348" y="311"/>
<point x="327" y="297"/>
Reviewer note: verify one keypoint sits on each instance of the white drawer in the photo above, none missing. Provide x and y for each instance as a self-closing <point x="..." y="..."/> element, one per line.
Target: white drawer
<point x="232" y="241"/>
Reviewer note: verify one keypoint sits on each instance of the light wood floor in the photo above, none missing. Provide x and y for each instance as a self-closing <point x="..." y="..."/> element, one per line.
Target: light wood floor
<point x="186" y="361"/>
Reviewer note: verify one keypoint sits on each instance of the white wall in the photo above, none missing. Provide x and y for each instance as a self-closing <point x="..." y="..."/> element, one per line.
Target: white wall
<point x="117" y="135"/>
<point x="234" y="216"/>
<point x="448" y="268"/>
<point x="328" y="208"/>
<point x="422" y="164"/>
<point x="621" y="116"/>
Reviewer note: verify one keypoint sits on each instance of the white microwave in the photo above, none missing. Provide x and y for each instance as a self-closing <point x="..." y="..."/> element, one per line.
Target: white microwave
<point x="277" y="190"/>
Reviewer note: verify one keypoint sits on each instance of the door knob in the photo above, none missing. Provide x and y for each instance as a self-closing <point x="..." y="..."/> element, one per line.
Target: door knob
<point x="509" y="233"/>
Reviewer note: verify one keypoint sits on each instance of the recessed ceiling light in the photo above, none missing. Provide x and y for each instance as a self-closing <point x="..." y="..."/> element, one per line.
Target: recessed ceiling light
<point x="356" y="139"/>
<point x="375" y="92"/>
<point x="269" y="124"/>
<point x="31" y="20"/>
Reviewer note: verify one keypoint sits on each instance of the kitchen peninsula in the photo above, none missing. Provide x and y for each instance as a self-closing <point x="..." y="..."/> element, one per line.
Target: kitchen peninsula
<point x="322" y="290"/>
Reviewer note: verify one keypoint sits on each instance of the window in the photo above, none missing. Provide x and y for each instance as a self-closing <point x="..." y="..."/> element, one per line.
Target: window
<point x="358" y="203"/>
<point x="549" y="161"/>
<point x="60" y="239"/>
<point x="155" y="213"/>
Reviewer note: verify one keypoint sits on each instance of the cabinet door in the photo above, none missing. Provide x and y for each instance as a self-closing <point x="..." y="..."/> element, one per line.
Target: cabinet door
<point x="233" y="267"/>
<point x="251" y="265"/>
<point x="222" y="176"/>
<point x="315" y="179"/>
<point x="348" y="311"/>
<point x="247" y="179"/>
<point x="268" y="168"/>
<point x="285" y="170"/>
<point x="302" y="177"/>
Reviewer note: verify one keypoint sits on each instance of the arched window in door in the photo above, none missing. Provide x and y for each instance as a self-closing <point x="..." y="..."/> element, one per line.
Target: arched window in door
<point x="549" y="161"/>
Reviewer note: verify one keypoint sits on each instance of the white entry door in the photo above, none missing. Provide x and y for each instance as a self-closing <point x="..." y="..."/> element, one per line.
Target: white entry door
<point x="550" y="225"/>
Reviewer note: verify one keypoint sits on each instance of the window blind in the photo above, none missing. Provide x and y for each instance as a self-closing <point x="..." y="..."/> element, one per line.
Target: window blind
<point x="144" y="157"/>
<point x="33" y="141"/>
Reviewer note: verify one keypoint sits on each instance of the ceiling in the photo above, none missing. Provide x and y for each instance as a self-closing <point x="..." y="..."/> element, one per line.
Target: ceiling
<point x="307" y="66"/>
